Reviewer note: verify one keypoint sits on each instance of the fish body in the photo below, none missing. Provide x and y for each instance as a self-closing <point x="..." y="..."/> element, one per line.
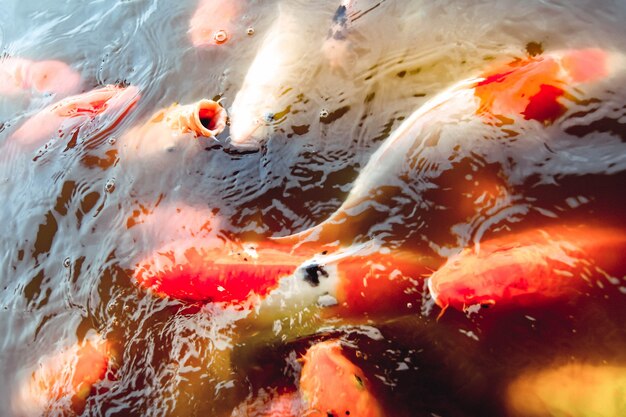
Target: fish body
<point x="508" y="111"/>
<point x="105" y="107"/>
<point x="18" y="75"/>
<point x="528" y="268"/>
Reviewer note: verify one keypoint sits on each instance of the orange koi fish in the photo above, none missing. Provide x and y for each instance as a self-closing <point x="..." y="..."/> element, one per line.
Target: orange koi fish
<point x="214" y="22"/>
<point x="105" y="106"/>
<point x="332" y="386"/>
<point x="64" y="379"/>
<point x="528" y="268"/>
<point x="472" y="121"/>
<point x="18" y="75"/>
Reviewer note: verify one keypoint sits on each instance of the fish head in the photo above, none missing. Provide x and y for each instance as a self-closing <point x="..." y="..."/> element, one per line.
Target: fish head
<point x="332" y="385"/>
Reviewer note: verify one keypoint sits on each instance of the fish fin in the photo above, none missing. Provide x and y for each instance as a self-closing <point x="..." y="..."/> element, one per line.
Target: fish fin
<point x="443" y="310"/>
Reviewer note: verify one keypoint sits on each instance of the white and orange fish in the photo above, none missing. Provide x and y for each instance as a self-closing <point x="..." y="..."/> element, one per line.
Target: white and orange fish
<point x="529" y="268"/>
<point x="63" y="379"/>
<point x="104" y="107"/>
<point x="19" y="75"/>
<point x="507" y="117"/>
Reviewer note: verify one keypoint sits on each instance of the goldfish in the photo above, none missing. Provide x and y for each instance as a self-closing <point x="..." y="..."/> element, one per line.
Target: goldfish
<point x="173" y="127"/>
<point x="282" y="63"/>
<point x="64" y="378"/>
<point x="478" y="128"/>
<point x="332" y="386"/>
<point x="19" y="74"/>
<point x="105" y="107"/>
<point x="575" y="389"/>
<point x="528" y="268"/>
<point x="214" y="22"/>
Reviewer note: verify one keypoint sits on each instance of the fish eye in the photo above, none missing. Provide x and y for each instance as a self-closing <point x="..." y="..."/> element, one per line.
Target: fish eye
<point x="268" y="117"/>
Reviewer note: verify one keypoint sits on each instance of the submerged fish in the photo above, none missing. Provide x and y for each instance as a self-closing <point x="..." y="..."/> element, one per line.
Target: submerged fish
<point x="528" y="268"/>
<point x="172" y="127"/>
<point x="64" y="379"/>
<point x="573" y="390"/>
<point x="282" y="64"/>
<point x="332" y="386"/>
<point x="485" y="124"/>
<point x="18" y="75"/>
<point x="103" y="107"/>
<point x="214" y="21"/>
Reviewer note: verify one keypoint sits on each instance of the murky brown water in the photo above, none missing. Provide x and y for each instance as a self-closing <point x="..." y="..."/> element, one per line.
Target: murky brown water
<point x="68" y="249"/>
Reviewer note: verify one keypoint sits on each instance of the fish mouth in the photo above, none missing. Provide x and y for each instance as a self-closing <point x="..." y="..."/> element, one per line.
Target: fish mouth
<point x="243" y="137"/>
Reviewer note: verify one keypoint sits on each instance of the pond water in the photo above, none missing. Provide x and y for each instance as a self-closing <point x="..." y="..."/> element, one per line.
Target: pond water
<point x="76" y="207"/>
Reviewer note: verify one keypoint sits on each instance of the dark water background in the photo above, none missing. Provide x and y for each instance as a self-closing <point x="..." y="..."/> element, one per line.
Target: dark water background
<point x="67" y="253"/>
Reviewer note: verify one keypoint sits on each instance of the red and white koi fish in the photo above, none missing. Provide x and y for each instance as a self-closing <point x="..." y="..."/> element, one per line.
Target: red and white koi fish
<point x="105" y="106"/>
<point x="214" y="22"/>
<point x="573" y="390"/>
<point x="192" y="262"/>
<point x="18" y="75"/>
<point x="332" y="386"/>
<point x="524" y="99"/>
<point x="528" y="268"/>
<point x="174" y="126"/>
<point x="64" y="379"/>
<point x="269" y="88"/>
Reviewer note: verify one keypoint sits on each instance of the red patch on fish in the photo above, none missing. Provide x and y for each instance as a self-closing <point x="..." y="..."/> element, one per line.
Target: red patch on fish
<point x="529" y="88"/>
<point x="213" y="275"/>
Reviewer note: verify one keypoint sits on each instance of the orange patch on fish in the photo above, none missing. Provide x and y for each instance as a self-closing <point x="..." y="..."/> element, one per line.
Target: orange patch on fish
<point x="332" y="386"/>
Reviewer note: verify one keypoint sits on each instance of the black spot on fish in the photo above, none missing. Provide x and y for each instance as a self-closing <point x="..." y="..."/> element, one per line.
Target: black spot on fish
<point x="312" y="274"/>
<point x="534" y="48"/>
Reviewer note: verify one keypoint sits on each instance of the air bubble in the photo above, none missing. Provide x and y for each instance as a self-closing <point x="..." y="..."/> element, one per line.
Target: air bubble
<point x="220" y="36"/>
<point x="250" y="31"/>
<point x="67" y="262"/>
<point x="323" y="113"/>
<point x="112" y="141"/>
<point x="110" y="185"/>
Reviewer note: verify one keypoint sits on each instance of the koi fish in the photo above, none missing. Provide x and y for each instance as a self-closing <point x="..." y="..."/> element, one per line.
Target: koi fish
<point x="65" y="378"/>
<point x="214" y="22"/>
<point x="282" y="63"/>
<point x="173" y="126"/>
<point x="105" y="106"/>
<point x="528" y="268"/>
<point x="333" y="386"/>
<point x="573" y="390"/>
<point x="474" y="121"/>
<point x="18" y="75"/>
